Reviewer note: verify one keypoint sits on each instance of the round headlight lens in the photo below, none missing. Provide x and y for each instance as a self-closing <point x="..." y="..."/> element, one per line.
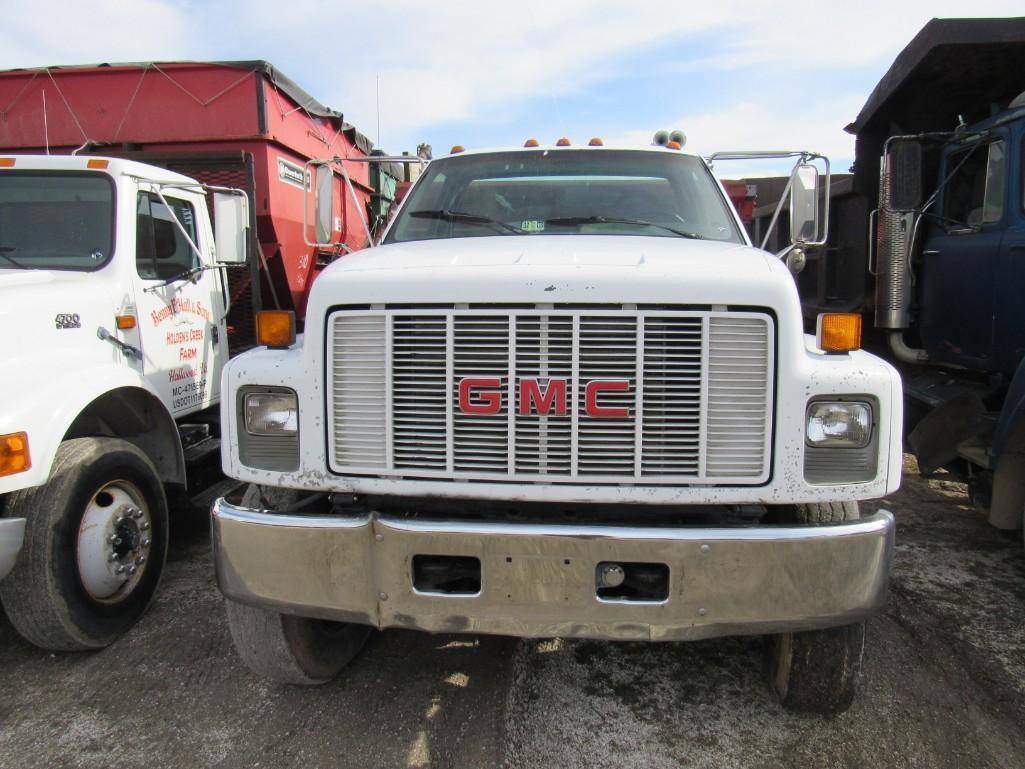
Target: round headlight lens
<point x="843" y="424"/>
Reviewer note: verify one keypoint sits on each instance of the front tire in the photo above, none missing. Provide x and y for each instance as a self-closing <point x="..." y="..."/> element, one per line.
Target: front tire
<point x="817" y="671"/>
<point x="293" y="650"/>
<point x="95" y="544"/>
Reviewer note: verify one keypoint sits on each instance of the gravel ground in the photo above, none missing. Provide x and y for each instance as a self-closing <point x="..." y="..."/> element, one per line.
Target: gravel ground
<point x="944" y="684"/>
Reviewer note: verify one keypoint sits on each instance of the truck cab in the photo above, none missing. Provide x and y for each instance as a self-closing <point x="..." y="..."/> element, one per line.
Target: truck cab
<point x="564" y="396"/>
<point x="113" y="294"/>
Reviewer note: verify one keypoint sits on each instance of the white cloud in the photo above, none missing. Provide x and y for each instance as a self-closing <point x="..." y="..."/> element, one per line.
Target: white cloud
<point x="757" y="126"/>
<point x="76" y="32"/>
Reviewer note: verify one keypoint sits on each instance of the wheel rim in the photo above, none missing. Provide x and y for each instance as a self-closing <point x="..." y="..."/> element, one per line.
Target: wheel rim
<point x="114" y="541"/>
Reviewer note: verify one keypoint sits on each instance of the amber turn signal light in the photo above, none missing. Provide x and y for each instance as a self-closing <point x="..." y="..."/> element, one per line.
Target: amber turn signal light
<point x="14" y="456"/>
<point x="125" y="322"/>
<point x="839" y="332"/>
<point x="275" y="328"/>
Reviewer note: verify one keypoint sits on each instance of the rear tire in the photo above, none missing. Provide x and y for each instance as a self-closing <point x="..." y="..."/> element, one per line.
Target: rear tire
<point x="95" y="544"/>
<point x="817" y="671"/>
<point x="293" y="650"/>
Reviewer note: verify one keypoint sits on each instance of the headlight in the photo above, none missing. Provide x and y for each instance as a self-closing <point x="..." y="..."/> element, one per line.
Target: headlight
<point x="275" y="413"/>
<point x="845" y="424"/>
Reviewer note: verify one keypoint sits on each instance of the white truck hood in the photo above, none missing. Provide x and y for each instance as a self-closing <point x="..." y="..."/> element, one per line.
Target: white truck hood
<point x="556" y="269"/>
<point x="31" y="300"/>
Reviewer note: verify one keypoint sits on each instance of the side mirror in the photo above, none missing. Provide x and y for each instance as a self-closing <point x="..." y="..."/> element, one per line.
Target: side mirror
<point x="903" y="175"/>
<point x="323" y="205"/>
<point x="231" y="225"/>
<point x="804" y="204"/>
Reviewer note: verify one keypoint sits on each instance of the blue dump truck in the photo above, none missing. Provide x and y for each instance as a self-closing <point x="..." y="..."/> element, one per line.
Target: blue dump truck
<point x="928" y="243"/>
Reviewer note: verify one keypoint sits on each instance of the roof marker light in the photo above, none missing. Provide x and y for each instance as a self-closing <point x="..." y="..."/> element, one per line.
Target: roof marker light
<point x="97" y="163"/>
<point x="531" y="143"/>
<point x="596" y="142"/>
<point x="7" y="162"/>
<point x="563" y="142"/>
<point x="457" y="148"/>
<point x="673" y="146"/>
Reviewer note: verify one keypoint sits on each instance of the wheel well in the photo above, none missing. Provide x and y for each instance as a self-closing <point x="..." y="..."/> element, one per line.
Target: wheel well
<point x="135" y="415"/>
<point x="1005" y="511"/>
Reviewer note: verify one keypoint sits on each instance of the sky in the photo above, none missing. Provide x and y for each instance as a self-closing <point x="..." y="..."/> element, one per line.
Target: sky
<point x="732" y="74"/>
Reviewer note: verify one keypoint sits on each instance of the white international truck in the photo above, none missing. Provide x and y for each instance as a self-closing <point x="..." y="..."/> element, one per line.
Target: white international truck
<point x="564" y="397"/>
<point x="112" y="302"/>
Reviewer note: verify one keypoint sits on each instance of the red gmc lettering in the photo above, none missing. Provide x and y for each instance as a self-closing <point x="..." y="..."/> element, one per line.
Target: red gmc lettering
<point x="530" y="397"/>
<point x="487" y="402"/>
<point x="591" y="399"/>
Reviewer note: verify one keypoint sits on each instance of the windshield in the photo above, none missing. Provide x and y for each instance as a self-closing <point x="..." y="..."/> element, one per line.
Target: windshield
<point x="561" y="192"/>
<point x="55" y="221"/>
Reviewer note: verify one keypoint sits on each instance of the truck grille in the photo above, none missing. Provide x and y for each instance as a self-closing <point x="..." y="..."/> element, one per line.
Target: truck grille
<point x="606" y="395"/>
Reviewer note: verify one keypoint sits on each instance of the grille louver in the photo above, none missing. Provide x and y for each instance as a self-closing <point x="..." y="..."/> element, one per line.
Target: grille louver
<point x="696" y="391"/>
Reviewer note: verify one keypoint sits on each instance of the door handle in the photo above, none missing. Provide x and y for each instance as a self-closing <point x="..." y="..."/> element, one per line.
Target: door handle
<point x="931" y="252"/>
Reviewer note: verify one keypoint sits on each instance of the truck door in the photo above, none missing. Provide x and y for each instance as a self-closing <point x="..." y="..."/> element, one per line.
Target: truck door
<point x="181" y="319"/>
<point x="961" y="256"/>
<point x="1010" y="321"/>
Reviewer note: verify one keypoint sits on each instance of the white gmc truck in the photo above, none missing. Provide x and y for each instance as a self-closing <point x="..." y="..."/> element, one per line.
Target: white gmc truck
<point x="565" y="397"/>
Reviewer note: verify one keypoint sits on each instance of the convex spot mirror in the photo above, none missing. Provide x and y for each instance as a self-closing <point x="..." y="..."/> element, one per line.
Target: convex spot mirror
<point x="903" y="181"/>
<point x="804" y="204"/>
<point x="231" y="226"/>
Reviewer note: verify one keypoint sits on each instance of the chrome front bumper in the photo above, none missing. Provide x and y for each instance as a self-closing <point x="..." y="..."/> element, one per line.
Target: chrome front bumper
<point x="539" y="580"/>
<point x="12" y="533"/>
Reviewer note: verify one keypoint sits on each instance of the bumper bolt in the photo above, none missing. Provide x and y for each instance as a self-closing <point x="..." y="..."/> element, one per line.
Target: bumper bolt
<point x="705" y="549"/>
<point x="383" y="596"/>
<point x="702" y="612"/>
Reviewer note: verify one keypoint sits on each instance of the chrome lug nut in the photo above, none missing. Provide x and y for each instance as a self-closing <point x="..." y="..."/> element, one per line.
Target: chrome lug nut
<point x="132" y="569"/>
<point x="145" y="543"/>
<point x="112" y="538"/>
<point x="112" y="557"/>
<point x="144" y="525"/>
<point x="136" y="513"/>
<point x="140" y="560"/>
<point x="120" y="569"/>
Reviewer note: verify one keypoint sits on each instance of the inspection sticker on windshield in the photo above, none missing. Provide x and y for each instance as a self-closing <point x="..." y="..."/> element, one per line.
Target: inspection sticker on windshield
<point x="533" y="225"/>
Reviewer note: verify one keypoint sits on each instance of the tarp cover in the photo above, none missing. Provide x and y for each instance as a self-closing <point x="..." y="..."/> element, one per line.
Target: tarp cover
<point x="952" y="67"/>
<point x="281" y="81"/>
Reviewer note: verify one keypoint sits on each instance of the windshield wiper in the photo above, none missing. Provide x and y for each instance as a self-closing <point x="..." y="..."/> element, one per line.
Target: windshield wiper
<point x="464" y="216"/>
<point x="5" y="250"/>
<point x="189" y="274"/>
<point x="571" y="220"/>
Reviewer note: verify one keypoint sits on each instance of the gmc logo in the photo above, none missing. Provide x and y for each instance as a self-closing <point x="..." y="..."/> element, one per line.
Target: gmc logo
<point x="483" y="395"/>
